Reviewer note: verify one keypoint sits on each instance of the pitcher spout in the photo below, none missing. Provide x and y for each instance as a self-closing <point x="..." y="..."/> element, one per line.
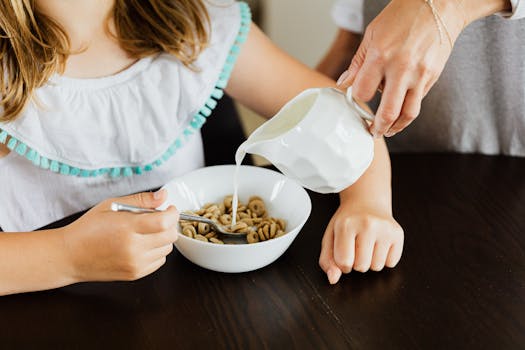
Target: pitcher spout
<point x="268" y="149"/>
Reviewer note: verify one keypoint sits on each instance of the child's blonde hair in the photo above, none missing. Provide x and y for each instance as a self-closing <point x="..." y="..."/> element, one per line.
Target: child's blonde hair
<point x="33" y="46"/>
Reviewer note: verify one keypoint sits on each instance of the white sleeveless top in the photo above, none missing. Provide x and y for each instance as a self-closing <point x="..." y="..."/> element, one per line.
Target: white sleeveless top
<point x="91" y="139"/>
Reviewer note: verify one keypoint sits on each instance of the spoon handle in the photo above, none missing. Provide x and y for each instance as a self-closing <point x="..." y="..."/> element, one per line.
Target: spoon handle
<point x="130" y="208"/>
<point x="133" y="209"/>
<point x="189" y="217"/>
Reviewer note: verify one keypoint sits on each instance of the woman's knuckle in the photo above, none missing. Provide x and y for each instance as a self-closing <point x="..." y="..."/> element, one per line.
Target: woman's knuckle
<point x="409" y="116"/>
<point x="406" y="63"/>
<point x="362" y="92"/>
<point x="424" y="69"/>
<point x="389" y="115"/>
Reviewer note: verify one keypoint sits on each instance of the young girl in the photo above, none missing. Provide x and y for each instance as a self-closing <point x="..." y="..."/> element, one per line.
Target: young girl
<point x="105" y="98"/>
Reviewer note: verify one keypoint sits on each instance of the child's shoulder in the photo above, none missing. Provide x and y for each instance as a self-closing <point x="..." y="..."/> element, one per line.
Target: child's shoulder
<point x="228" y="20"/>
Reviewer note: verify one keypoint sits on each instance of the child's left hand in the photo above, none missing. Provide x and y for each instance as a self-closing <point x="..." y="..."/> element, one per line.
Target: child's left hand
<point x="360" y="238"/>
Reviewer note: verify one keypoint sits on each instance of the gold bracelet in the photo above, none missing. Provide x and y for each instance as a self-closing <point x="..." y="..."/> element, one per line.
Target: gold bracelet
<point x="441" y="25"/>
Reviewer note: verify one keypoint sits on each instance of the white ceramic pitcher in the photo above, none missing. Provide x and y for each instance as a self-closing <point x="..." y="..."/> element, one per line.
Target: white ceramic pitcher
<point x="319" y="139"/>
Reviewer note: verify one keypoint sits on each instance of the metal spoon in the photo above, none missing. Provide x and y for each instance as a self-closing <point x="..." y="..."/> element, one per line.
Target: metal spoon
<point x="182" y="216"/>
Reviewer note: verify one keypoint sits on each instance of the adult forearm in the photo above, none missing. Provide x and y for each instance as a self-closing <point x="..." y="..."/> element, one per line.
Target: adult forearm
<point x="33" y="261"/>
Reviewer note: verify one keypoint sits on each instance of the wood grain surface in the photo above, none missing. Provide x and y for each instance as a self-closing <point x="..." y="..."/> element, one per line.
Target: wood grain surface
<point x="459" y="285"/>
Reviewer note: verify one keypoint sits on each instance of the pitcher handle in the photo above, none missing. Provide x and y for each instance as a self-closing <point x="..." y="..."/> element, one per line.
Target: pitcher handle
<point x="363" y="113"/>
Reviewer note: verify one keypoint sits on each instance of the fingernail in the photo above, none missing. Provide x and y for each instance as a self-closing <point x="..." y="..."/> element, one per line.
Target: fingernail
<point x="333" y="275"/>
<point x="158" y="194"/>
<point x="390" y="134"/>
<point x="343" y="77"/>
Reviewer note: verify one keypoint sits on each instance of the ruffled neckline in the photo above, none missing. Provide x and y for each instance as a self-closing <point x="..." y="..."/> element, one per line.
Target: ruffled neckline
<point x="103" y="82"/>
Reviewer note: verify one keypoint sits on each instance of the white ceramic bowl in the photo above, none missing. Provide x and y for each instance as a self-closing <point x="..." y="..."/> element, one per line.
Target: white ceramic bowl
<point x="284" y="198"/>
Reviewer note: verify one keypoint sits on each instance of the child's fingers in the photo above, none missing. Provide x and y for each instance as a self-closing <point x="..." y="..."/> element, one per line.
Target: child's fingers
<point x="326" y="259"/>
<point x="154" y="266"/>
<point x="327" y="251"/>
<point x="143" y="199"/>
<point x="394" y="254"/>
<point x="364" y="248"/>
<point x="159" y="239"/>
<point x="155" y="222"/>
<point x="344" y="249"/>
<point x="160" y="252"/>
<point x="379" y="256"/>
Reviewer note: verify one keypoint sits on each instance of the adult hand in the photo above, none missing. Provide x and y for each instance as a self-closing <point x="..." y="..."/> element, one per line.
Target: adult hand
<point x="104" y="245"/>
<point x="404" y="51"/>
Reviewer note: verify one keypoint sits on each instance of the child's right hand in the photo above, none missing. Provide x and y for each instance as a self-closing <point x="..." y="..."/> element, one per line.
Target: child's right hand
<point x="104" y="245"/>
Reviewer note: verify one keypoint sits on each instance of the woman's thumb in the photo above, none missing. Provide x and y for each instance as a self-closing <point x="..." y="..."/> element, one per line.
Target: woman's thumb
<point x="347" y="78"/>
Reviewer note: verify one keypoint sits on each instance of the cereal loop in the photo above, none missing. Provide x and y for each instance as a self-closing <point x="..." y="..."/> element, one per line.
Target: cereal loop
<point x="257" y="206"/>
<point x="203" y="228"/>
<point x="189" y="231"/>
<point x="252" y="237"/>
<point x="252" y="219"/>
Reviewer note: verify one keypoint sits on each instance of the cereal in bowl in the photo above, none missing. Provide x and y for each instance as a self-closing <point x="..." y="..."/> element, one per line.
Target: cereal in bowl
<point x="252" y="218"/>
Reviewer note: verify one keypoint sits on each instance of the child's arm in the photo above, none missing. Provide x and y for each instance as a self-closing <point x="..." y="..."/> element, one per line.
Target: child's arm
<point x="264" y="79"/>
<point x="100" y="246"/>
<point x="363" y="234"/>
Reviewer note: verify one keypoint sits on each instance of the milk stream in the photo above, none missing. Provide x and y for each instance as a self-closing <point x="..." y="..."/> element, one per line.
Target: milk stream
<point x="239" y="157"/>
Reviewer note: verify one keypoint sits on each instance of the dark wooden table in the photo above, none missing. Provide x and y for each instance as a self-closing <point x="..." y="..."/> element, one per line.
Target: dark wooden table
<point x="460" y="283"/>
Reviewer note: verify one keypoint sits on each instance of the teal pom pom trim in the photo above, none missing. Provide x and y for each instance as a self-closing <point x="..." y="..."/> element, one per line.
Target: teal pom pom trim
<point x="31" y="155"/>
<point x="54" y="166"/>
<point x="44" y="163"/>
<point x="196" y="123"/>
<point x="21" y="148"/>
<point x="115" y="172"/>
<point x="205" y="111"/>
<point x="64" y="169"/>
<point x="12" y="143"/>
<point x="3" y="136"/>
<point x="36" y="160"/>
<point x="217" y="93"/>
<point x="211" y="103"/>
